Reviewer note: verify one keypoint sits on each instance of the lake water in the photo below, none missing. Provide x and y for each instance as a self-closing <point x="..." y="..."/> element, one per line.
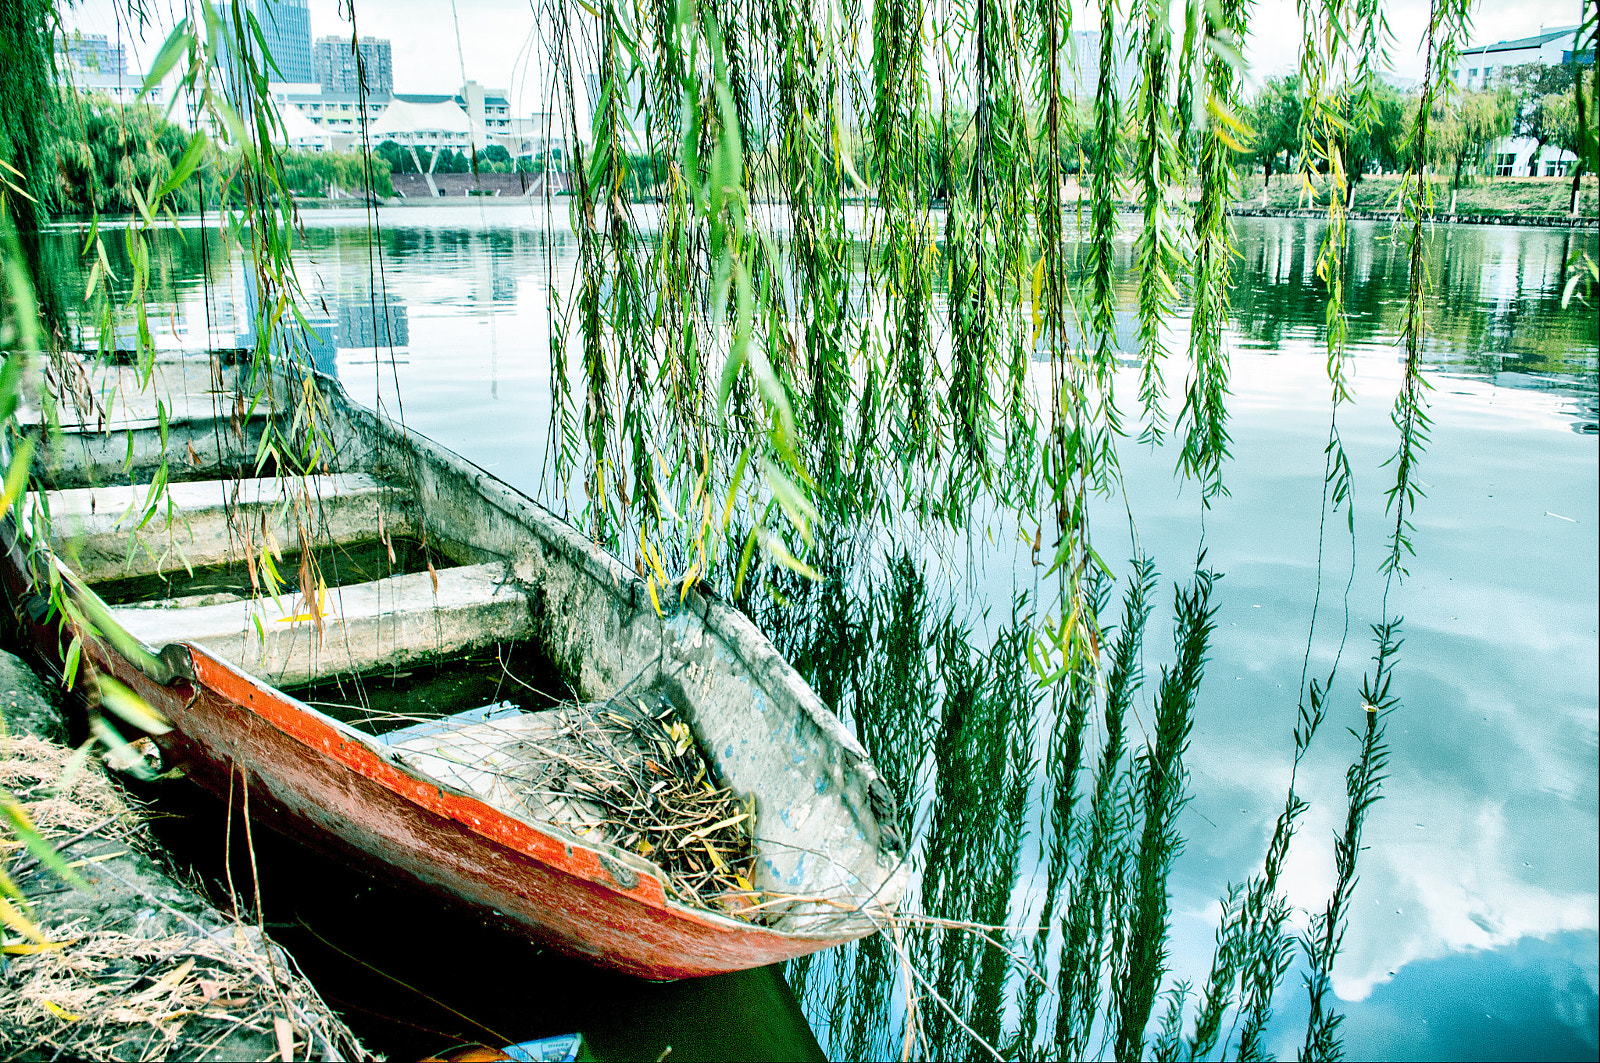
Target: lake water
<point x="1474" y="928"/>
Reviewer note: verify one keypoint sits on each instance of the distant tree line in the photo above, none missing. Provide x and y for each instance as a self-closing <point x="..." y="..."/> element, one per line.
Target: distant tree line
<point x="1534" y="101"/>
<point x="103" y="156"/>
<point x="100" y="152"/>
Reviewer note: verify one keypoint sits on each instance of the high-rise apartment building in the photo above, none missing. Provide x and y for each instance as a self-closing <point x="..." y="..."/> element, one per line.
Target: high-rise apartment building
<point x="337" y="70"/>
<point x="1084" y="76"/>
<point x="92" y="52"/>
<point x="286" y="26"/>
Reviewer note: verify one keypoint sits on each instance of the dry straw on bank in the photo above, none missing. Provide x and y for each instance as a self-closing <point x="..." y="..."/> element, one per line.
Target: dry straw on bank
<point x="120" y="972"/>
<point x="112" y="995"/>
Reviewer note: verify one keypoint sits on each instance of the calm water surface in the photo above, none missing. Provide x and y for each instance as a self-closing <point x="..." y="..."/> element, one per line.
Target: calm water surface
<point x="1474" y="933"/>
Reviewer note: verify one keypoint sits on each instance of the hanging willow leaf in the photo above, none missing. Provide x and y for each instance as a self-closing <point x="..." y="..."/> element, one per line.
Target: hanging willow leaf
<point x="179" y="41"/>
<point x="184" y="167"/>
<point x="129" y="706"/>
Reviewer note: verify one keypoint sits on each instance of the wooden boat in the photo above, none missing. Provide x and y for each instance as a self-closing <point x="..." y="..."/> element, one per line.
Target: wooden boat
<point x="497" y="569"/>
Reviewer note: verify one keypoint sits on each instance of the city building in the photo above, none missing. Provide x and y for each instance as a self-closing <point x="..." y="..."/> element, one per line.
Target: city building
<point x="1085" y="77"/>
<point x="1477" y="66"/>
<point x="286" y="27"/>
<point x="336" y="116"/>
<point x="337" y="69"/>
<point x="1483" y="66"/>
<point x="473" y="118"/>
<point x="121" y="87"/>
<point x="93" y="53"/>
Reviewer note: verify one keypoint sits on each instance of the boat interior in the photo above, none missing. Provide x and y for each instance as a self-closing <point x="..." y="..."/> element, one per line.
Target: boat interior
<point x="472" y="636"/>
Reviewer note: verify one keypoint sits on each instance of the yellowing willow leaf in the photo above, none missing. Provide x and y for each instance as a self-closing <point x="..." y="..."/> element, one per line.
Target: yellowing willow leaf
<point x="795" y="505"/>
<point x="41" y="849"/>
<point x="12" y="916"/>
<point x="17" y="475"/>
<point x="130" y="707"/>
<point x="780" y="553"/>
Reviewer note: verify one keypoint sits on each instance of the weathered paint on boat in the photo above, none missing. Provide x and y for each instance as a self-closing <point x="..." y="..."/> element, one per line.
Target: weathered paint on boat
<point x="344" y="789"/>
<point x="828" y="845"/>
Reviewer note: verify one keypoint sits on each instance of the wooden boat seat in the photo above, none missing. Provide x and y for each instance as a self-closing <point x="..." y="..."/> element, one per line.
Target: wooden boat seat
<point x="187" y="388"/>
<point x="97" y="528"/>
<point x="365" y="626"/>
<point x="210" y="419"/>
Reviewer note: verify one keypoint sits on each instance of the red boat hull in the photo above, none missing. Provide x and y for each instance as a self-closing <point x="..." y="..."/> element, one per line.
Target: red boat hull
<point x="309" y="779"/>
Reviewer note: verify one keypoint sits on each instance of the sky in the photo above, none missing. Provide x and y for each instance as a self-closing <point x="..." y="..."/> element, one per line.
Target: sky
<point x="497" y="37"/>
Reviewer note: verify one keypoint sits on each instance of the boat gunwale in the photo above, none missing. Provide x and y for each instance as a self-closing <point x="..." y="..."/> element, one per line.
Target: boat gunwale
<point x="176" y="662"/>
<point x="555" y="541"/>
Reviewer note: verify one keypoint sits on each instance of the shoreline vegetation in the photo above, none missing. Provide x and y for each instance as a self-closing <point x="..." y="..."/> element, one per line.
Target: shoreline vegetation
<point x="127" y="961"/>
<point x="1532" y="201"/>
<point x="1540" y="201"/>
<point x="103" y="151"/>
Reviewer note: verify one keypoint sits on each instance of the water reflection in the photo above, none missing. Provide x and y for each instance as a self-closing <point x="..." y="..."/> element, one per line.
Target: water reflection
<point x="371" y="317"/>
<point x="1481" y="874"/>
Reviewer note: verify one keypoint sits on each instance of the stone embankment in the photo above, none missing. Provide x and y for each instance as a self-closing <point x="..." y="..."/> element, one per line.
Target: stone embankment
<point x="129" y="962"/>
<point x="414" y="187"/>
<point x="1539" y="221"/>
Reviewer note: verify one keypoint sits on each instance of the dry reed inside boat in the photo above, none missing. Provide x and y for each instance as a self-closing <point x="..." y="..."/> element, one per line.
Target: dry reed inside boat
<point x="640" y="781"/>
<point x="626" y="771"/>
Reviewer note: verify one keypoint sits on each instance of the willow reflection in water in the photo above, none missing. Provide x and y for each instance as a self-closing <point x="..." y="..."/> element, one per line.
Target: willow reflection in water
<point x="1485" y="844"/>
<point x="953" y="727"/>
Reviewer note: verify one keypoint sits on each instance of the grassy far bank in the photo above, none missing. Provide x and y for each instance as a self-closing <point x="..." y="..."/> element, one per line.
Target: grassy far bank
<point x="1535" y="196"/>
<point x="1490" y="196"/>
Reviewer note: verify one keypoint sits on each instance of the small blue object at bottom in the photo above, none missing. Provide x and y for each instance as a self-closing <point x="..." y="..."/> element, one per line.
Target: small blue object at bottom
<point x="562" y="1049"/>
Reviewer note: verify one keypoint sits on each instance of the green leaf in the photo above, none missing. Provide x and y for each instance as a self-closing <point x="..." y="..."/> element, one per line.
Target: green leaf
<point x="11" y="384"/>
<point x="235" y="128"/>
<point x="87" y="609"/>
<point x="795" y="505"/>
<point x="187" y="162"/>
<point x="177" y="42"/>
<point x="144" y="208"/>
<point x="744" y="562"/>
<point x="70" y="667"/>
<point x="733" y="483"/>
<point x="94" y="279"/>
<point x="130" y="707"/>
<point x="17" y="475"/>
<point x="780" y="553"/>
<point x="123" y="754"/>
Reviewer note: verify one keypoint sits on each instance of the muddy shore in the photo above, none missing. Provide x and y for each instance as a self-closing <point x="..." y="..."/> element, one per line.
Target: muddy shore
<point x="131" y="962"/>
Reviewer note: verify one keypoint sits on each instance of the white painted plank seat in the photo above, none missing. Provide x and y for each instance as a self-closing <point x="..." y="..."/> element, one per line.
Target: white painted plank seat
<point x="97" y="528"/>
<point x="385" y="623"/>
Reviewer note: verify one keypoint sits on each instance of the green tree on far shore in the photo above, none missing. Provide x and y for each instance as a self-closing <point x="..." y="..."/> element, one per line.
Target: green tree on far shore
<point x="1537" y="86"/>
<point x="1275" y="117"/>
<point x="1471" y="123"/>
<point x="102" y="151"/>
<point x="1568" y="133"/>
<point x="332" y="173"/>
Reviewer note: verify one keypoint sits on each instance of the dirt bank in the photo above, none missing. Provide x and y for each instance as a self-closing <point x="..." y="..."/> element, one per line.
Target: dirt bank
<point x="133" y="963"/>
